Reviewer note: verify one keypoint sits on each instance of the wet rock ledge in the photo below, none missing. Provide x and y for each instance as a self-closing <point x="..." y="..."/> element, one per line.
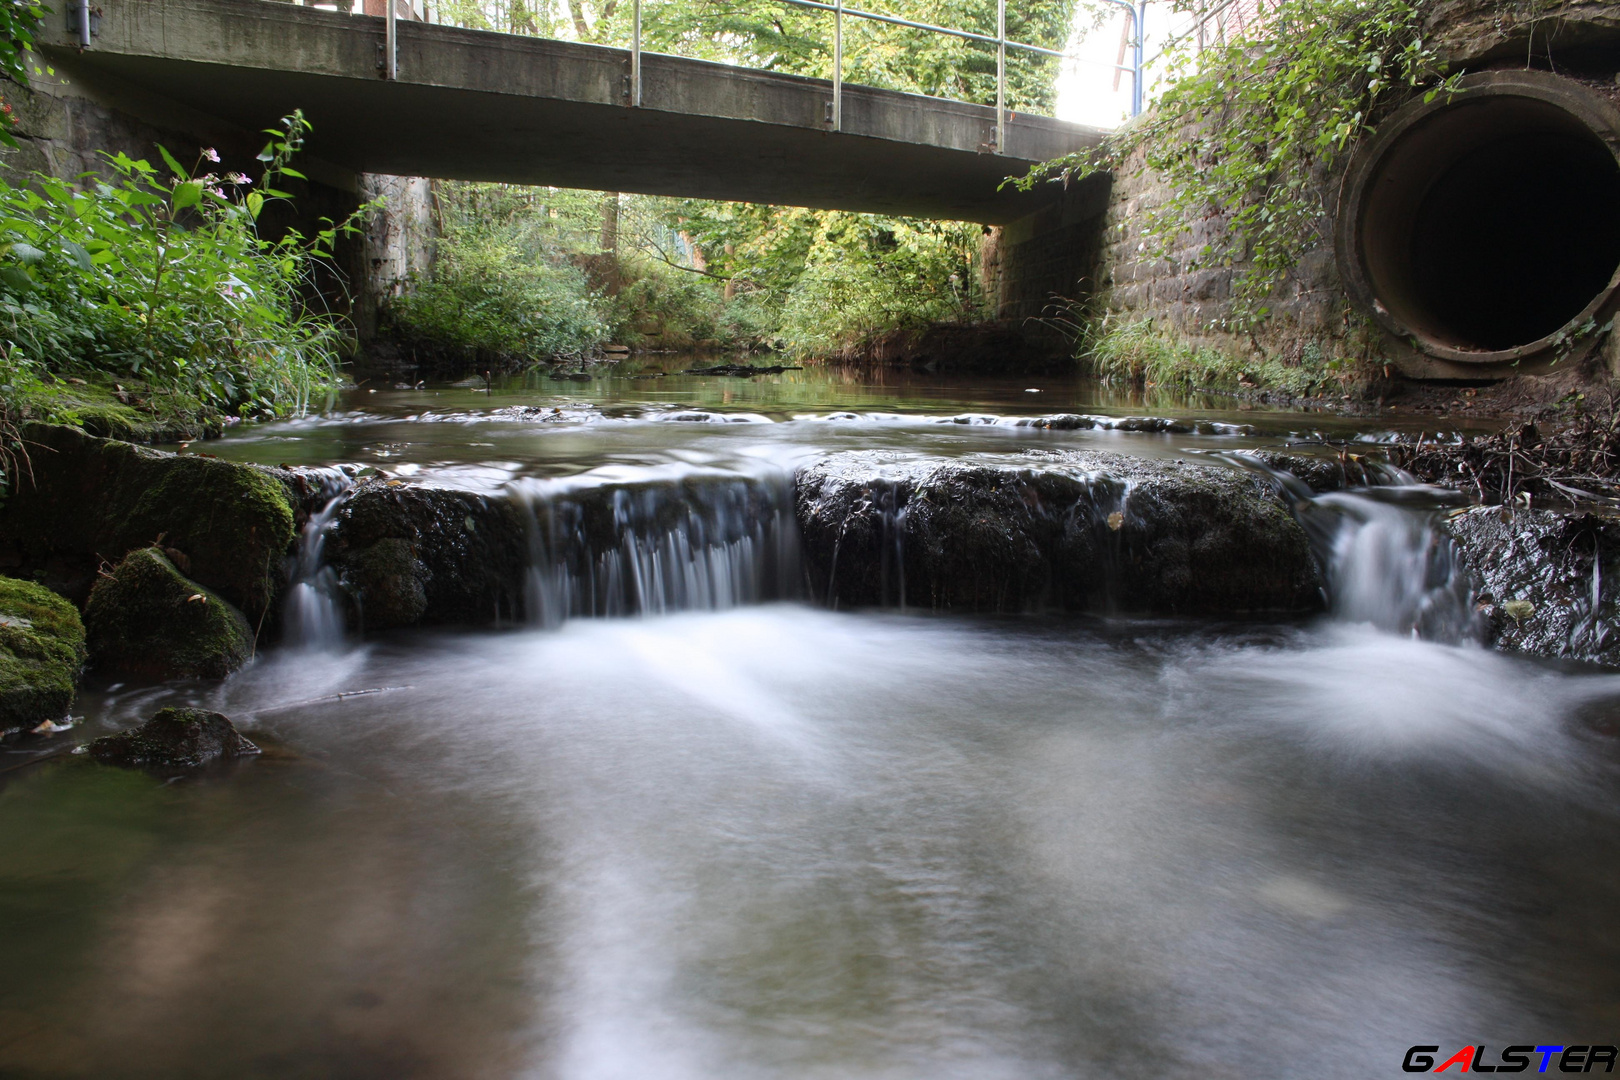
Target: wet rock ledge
<point x="1545" y="583"/>
<point x="1074" y="531"/>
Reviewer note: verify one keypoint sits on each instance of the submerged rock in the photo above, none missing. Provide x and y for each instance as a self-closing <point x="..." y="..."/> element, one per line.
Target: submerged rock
<point x="174" y="739"/>
<point x="84" y="499"/>
<point x="1548" y="584"/>
<point x="148" y="620"/>
<point x="1067" y="530"/>
<point x="408" y="554"/>
<point x="41" y="652"/>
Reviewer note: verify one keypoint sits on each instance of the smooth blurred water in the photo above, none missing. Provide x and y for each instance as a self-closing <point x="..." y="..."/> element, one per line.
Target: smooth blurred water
<point x="781" y="842"/>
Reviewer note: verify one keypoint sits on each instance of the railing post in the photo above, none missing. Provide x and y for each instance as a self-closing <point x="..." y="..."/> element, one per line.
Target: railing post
<point x="1001" y="76"/>
<point x="635" y="58"/>
<point x="1140" y="16"/>
<point x="391" y="45"/>
<point x="838" y="66"/>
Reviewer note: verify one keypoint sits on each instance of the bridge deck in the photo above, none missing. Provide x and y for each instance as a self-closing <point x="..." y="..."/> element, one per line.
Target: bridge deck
<point x="471" y="105"/>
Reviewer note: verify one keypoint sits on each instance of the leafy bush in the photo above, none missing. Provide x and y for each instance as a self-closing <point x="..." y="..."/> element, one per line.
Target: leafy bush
<point x="661" y="303"/>
<point x="19" y="20"/>
<point x="165" y="281"/>
<point x="487" y="297"/>
<point x="868" y="275"/>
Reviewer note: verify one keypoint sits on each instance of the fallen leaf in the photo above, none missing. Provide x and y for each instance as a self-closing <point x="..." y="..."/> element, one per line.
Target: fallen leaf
<point x="1519" y="610"/>
<point x="1116" y="520"/>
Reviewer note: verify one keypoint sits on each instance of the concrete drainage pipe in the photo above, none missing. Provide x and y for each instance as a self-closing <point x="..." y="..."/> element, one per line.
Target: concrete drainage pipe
<point x="1483" y="229"/>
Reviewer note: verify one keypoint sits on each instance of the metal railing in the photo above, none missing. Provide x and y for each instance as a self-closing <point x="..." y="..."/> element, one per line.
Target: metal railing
<point x="839" y="12"/>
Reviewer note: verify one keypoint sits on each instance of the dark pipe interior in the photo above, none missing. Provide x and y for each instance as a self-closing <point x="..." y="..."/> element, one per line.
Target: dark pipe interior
<point x="1506" y="217"/>
<point x="1517" y="237"/>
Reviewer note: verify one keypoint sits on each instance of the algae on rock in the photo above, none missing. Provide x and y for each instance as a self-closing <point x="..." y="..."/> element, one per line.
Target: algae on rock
<point x="175" y="739"/>
<point x="41" y="652"/>
<point x="146" y="619"/>
<point x="89" y="499"/>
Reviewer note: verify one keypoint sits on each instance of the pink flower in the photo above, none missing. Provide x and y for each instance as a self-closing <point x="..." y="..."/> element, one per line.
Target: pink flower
<point x="211" y="154"/>
<point x="239" y="179"/>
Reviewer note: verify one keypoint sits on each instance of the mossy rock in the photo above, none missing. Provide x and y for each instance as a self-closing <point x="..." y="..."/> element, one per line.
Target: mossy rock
<point x="174" y="739"/>
<point x="388" y="581"/>
<point x="86" y="500"/>
<point x="122" y="408"/>
<point x="41" y="652"/>
<point x="1058" y="530"/>
<point x="414" y="555"/>
<point x="148" y="620"/>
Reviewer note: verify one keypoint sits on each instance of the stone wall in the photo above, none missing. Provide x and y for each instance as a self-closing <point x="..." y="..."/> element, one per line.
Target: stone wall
<point x="1095" y="248"/>
<point x="1042" y="265"/>
<point x="1137" y="279"/>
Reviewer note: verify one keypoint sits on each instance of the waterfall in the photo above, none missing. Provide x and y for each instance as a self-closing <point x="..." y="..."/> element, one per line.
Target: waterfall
<point x="654" y="544"/>
<point x="1388" y="565"/>
<point x="313" y="616"/>
<point x="1385" y="560"/>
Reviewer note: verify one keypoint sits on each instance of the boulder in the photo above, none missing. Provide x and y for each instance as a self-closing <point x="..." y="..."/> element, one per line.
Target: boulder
<point x="174" y="739"/>
<point x="83" y="501"/>
<point x="408" y="554"/>
<point x="1547" y="584"/>
<point x="1065" y="530"/>
<point x="41" y="652"/>
<point x="147" y="620"/>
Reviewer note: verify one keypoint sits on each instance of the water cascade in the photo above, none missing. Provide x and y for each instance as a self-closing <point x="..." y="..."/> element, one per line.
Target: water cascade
<point x="314" y="613"/>
<point x="1385" y="561"/>
<point x="690" y="541"/>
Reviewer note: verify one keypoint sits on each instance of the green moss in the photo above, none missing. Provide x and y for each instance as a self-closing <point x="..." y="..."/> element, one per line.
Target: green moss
<point x="1144" y="352"/>
<point x="89" y="498"/>
<point x="130" y="410"/>
<point x="176" y="739"/>
<point x="41" y="651"/>
<point x="148" y="620"/>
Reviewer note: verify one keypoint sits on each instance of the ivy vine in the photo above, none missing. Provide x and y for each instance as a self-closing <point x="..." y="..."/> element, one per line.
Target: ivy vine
<point x="1249" y="129"/>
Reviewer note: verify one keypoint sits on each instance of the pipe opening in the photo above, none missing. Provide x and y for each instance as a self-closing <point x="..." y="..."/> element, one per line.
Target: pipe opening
<point x="1492" y="224"/>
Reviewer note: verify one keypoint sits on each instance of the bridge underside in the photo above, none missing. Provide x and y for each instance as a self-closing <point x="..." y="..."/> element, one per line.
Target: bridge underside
<point x="478" y="106"/>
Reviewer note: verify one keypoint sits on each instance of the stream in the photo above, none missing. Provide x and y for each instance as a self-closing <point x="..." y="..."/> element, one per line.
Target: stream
<point x="679" y="822"/>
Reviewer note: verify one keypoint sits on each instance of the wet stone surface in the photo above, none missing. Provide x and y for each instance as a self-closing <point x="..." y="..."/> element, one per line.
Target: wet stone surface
<point x="1067" y="530"/>
<point x="174" y="739"/>
<point x="1544" y="581"/>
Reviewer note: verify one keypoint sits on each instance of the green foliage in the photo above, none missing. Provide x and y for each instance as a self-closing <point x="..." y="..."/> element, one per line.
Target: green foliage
<point x="487" y="296"/>
<point x="1248" y="130"/>
<point x="19" y="21"/>
<point x="165" y="280"/>
<point x="1145" y="354"/>
<point x="865" y="275"/>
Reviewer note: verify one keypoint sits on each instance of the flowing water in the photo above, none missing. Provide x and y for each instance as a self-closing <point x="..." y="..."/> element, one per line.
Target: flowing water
<point x="731" y="835"/>
<point x="314" y="613"/>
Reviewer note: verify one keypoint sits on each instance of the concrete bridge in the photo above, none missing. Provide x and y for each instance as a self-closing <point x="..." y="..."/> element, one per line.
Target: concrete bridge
<point x="470" y="105"/>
